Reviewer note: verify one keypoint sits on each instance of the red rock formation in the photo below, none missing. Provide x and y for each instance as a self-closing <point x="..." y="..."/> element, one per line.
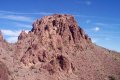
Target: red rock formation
<point x="56" y="34"/>
<point x="58" y="49"/>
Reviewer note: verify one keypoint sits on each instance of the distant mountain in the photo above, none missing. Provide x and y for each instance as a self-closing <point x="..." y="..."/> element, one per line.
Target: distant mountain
<point x="57" y="48"/>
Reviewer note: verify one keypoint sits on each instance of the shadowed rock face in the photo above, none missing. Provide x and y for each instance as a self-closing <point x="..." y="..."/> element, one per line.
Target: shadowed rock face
<point x="3" y="72"/>
<point x="56" y="48"/>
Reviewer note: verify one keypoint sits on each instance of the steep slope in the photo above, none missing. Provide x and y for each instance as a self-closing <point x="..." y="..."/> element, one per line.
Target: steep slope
<point x="58" y="49"/>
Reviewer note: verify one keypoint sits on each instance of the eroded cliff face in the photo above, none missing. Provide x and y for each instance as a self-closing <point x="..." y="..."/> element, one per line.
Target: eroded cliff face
<point x="56" y="48"/>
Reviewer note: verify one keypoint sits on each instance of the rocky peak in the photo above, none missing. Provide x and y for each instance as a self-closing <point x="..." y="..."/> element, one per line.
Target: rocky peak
<point x="62" y="25"/>
<point x="51" y="37"/>
<point x="22" y="35"/>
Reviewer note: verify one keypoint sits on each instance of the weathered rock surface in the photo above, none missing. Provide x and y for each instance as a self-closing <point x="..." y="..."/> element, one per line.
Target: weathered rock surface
<point x="3" y="72"/>
<point x="56" y="35"/>
<point x="58" y="49"/>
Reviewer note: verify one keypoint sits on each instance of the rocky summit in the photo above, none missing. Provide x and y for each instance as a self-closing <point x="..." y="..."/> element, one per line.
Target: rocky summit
<point x="57" y="48"/>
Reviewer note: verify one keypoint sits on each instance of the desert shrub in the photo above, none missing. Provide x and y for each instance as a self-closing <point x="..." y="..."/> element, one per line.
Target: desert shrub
<point x="111" y="78"/>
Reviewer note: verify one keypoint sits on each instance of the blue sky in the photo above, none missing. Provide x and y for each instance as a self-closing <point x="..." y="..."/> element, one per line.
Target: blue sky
<point x="99" y="18"/>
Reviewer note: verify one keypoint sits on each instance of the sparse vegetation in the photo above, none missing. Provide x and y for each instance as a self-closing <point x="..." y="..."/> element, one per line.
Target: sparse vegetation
<point x="111" y="78"/>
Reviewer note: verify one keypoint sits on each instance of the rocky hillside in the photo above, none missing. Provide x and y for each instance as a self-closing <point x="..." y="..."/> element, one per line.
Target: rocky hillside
<point x="56" y="48"/>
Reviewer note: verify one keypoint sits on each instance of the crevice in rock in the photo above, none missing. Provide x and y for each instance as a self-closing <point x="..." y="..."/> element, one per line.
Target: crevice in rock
<point x="54" y="22"/>
<point x="46" y="27"/>
<point x="72" y="32"/>
<point x="63" y="62"/>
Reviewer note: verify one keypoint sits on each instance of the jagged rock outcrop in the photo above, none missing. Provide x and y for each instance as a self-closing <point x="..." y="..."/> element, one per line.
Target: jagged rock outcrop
<point x="56" y="35"/>
<point x="59" y="25"/>
<point x="22" y="35"/>
<point x="56" y="48"/>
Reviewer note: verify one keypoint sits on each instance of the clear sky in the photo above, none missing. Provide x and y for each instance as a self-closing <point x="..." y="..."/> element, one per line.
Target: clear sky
<point x="99" y="18"/>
